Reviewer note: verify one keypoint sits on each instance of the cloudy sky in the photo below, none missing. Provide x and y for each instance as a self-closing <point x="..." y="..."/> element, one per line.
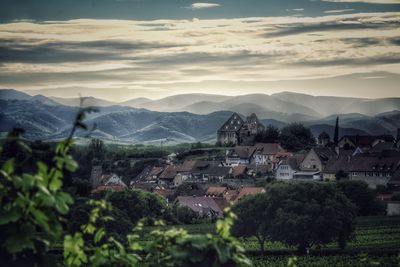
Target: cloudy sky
<point x="122" y="49"/>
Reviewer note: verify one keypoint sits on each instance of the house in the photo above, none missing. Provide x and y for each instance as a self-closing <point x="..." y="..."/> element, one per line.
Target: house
<point x="249" y="191"/>
<point x="235" y="131"/>
<point x="168" y="175"/>
<point x="204" y="206"/>
<point x="216" y="173"/>
<point x="240" y="155"/>
<point x="150" y="174"/>
<point x="374" y="170"/>
<point x="266" y="154"/>
<point x="199" y="167"/>
<point x="216" y="191"/>
<point x="183" y="172"/>
<point x="258" y="170"/>
<point x="334" y="165"/>
<point x="239" y="172"/>
<point x="316" y="159"/>
<point x="363" y="141"/>
<point x="287" y="168"/>
<point x="185" y="169"/>
<point x="111" y="182"/>
<point x="114" y="179"/>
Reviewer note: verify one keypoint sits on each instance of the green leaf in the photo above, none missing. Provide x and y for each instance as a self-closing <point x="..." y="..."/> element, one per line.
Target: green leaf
<point x="10" y="216"/>
<point x="62" y="202"/>
<point x="27" y="181"/>
<point x="70" y="164"/>
<point x="8" y="166"/>
<point x="21" y="240"/>
<point x="74" y="254"/>
<point x="55" y="184"/>
<point x="99" y="235"/>
<point x="41" y="218"/>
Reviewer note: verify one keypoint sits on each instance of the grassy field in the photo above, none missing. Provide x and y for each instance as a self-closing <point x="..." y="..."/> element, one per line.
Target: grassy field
<point x="377" y="243"/>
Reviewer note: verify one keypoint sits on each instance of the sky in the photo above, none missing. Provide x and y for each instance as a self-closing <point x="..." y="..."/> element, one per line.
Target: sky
<point x="123" y="49"/>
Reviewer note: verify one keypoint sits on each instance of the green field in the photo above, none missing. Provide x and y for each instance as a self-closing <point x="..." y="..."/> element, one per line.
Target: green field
<point x="376" y="243"/>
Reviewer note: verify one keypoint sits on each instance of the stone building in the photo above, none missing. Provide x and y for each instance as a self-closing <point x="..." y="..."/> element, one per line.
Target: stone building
<point x="229" y="131"/>
<point x="238" y="132"/>
<point x="249" y="130"/>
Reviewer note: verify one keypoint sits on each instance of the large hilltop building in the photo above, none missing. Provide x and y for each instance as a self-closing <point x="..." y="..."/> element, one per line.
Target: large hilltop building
<point x="238" y="132"/>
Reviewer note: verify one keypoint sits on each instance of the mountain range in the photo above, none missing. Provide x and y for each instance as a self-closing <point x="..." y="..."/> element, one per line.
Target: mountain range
<point x="193" y="117"/>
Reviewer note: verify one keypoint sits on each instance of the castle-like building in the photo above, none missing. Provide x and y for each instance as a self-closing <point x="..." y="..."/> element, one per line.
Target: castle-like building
<point x="238" y="132"/>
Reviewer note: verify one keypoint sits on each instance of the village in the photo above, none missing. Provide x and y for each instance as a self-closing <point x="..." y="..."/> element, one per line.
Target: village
<point x="244" y="167"/>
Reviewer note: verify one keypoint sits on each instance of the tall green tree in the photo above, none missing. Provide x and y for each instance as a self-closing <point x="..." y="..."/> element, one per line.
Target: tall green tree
<point x="295" y="137"/>
<point x="269" y="135"/>
<point x="253" y="219"/>
<point x="96" y="149"/>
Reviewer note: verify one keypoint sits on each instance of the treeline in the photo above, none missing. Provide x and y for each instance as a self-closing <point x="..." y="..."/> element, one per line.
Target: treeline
<point x="293" y="137"/>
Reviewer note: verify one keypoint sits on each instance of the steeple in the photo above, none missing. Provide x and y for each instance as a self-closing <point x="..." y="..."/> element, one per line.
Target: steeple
<point x="336" y="136"/>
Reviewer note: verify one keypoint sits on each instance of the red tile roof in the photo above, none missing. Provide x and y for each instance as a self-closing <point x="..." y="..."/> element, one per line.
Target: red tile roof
<point x="246" y="191"/>
<point x="239" y="170"/>
<point x="169" y="172"/>
<point x="216" y="191"/>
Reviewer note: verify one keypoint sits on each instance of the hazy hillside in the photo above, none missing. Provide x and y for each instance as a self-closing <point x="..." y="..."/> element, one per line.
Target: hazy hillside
<point x="44" y="118"/>
<point x="177" y="102"/>
<point x="88" y="101"/>
<point x="285" y="106"/>
<point x="6" y="94"/>
<point x="328" y="105"/>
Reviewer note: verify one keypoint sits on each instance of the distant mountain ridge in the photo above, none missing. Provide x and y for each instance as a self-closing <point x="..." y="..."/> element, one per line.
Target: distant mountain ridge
<point x="286" y="106"/>
<point x="46" y="118"/>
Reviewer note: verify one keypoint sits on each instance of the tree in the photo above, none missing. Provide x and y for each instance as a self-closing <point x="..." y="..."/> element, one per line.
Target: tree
<point x="96" y="149"/>
<point x="185" y="215"/>
<point x="309" y="214"/>
<point x="137" y="204"/>
<point x="301" y="215"/>
<point x="296" y="137"/>
<point x="269" y="135"/>
<point x="252" y="219"/>
<point x="362" y="196"/>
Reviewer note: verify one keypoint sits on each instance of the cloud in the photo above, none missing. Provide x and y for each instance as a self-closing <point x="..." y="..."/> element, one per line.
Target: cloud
<point x="331" y="25"/>
<point x="196" y="6"/>
<point x="295" y="9"/>
<point x="366" y="1"/>
<point x="254" y="52"/>
<point x="338" y="11"/>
